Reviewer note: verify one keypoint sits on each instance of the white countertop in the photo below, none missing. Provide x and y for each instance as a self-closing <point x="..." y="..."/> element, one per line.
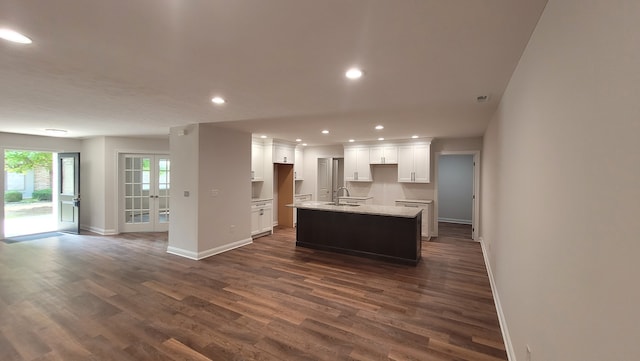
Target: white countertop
<point x="427" y="201"/>
<point x="392" y="211"/>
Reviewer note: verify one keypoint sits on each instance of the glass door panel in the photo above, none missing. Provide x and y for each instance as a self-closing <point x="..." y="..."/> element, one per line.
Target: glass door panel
<point x="164" y="186"/>
<point x="145" y="183"/>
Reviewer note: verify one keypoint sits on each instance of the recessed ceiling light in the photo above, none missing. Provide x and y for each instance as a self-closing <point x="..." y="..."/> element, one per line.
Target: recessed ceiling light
<point x="351" y="140"/>
<point x="298" y="140"/>
<point x="218" y="100"/>
<point x="304" y="144"/>
<point x="380" y="138"/>
<point x="263" y="136"/>
<point x="353" y="73"/>
<point x="55" y="131"/>
<point x="14" y="36"/>
<point x="414" y="136"/>
<point x="379" y="127"/>
<point x="325" y="132"/>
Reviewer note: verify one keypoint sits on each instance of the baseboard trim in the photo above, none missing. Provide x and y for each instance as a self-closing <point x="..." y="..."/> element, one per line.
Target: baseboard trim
<point x="454" y="220"/>
<point x="511" y="355"/>
<point x="196" y="256"/>
<point x="183" y="253"/>
<point x="100" y="231"/>
<point x="224" y="248"/>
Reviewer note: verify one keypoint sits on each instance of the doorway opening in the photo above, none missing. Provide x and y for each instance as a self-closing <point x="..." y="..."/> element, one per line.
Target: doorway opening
<point x="283" y="173"/>
<point x="330" y="178"/>
<point x="29" y="200"/>
<point x="457" y="191"/>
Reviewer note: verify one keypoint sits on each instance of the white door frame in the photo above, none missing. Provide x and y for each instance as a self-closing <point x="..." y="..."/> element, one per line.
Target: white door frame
<point x="475" y="212"/>
<point x="119" y="176"/>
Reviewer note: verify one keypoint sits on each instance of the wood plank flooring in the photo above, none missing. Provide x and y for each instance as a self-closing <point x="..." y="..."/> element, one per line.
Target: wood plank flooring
<point x="454" y="232"/>
<point x="122" y="298"/>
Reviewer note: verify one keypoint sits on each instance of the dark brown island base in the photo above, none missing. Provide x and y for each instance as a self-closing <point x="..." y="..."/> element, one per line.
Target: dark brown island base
<point x="383" y="232"/>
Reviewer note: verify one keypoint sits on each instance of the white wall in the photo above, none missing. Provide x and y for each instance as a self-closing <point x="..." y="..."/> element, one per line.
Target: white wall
<point x="101" y="178"/>
<point x="455" y="188"/>
<point x="224" y="210"/>
<point x="212" y="164"/>
<point x="561" y="186"/>
<point x="185" y="158"/>
<point x="93" y="183"/>
<point x="32" y="142"/>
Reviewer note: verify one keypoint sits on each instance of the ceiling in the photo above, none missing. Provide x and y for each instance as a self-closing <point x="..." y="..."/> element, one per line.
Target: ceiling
<point x="137" y="68"/>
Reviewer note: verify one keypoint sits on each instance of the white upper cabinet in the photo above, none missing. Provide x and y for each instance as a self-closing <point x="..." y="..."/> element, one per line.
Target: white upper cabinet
<point x="414" y="163"/>
<point x="257" y="161"/>
<point x="386" y="154"/>
<point x="297" y="166"/>
<point x="283" y="152"/>
<point x="356" y="164"/>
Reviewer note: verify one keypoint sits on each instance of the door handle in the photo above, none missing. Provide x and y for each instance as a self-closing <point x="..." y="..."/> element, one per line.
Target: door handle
<point x="76" y="202"/>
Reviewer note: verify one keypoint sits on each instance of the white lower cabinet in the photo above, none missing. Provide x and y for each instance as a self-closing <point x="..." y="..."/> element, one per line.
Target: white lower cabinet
<point x="261" y="217"/>
<point x="426" y="214"/>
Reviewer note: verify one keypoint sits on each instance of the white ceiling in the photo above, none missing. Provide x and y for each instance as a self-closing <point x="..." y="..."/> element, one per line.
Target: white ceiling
<point x="137" y="68"/>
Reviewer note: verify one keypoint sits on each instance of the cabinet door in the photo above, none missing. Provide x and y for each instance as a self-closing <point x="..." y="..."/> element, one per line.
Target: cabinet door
<point x="405" y="163"/>
<point x="390" y="155"/>
<point x="350" y="162"/>
<point x="376" y="155"/>
<point x="283" y="153"/>
<point x="383" y="155"/>
<point x="256" y="223"/>
<point x="257" y="162"/>
<point x="297" y="166"/>
<point x="266" y="221"/>
<point x="421" y="163"/>
<point x="363" y="167"/>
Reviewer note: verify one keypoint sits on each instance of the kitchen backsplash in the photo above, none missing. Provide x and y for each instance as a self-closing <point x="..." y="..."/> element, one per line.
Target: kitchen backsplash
<point x="385" y="188"/>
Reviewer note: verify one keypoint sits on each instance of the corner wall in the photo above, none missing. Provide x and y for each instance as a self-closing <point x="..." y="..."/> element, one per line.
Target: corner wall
<point x="561" y="187"/>
<point x="224" y="208"/>
<point x="211" y="190"/>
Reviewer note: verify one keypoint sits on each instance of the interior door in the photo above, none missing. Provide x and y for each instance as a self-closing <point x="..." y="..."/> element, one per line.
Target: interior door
<point x="324" y="180"/>
<point x="145" y="191"/>
<point x="69" y="192"/>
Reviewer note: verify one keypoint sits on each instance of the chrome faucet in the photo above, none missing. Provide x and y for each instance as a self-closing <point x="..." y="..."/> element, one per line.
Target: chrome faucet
<point x="341" y="188"/>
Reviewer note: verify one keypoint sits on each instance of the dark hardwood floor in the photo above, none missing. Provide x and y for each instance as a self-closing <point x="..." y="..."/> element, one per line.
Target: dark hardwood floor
<point x="122" y="298"/>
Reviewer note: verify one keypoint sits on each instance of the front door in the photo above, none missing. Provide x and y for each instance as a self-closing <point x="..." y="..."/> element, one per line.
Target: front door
<point x="69" y="192"/>
<point x="145" y="185"/>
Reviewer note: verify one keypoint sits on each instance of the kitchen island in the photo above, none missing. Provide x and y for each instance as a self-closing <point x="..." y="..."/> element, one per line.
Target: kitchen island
<point x="383" y="232"/>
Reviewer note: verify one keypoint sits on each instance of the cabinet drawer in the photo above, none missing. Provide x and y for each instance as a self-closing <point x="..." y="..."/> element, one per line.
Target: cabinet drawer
<point x="259" y="205"/>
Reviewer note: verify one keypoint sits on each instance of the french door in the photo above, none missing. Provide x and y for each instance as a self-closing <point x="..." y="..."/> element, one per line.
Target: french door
<point x="145" y="189"/>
